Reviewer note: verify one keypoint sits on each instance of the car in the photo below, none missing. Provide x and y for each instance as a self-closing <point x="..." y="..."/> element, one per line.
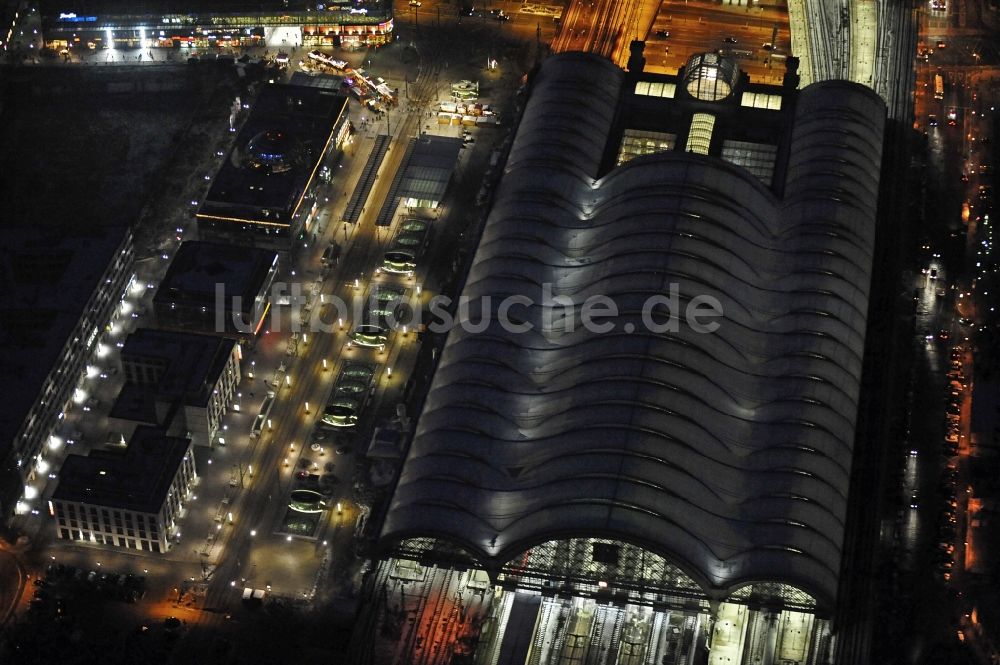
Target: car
<point x="369" y="336"/>
<point x="965" y="177"/>
<point x="302" y="475"/>
<point x="767" y="46"/>
<point x="941" y="44"/>
<point x="343" y="449"/>
<point x="730" y="40"/>
<point x="932" y="120"/>
<point x="963" y="321"/>
<point x="952" y="114"/>
<point x="914" y="499"/>
<point x="662" y="34"/>
<point x="91" y="404"/>
<point x="501" y="16"/>
<point x="952" y="122"/>
<point x="467" y="10"/>
<point x="934" y="273"/>
<point x="944" y="335"/>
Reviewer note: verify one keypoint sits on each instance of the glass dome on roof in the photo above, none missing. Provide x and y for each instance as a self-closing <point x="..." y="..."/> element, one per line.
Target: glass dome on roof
<point x="273" y="150"/>
<point x="710" y="77"/>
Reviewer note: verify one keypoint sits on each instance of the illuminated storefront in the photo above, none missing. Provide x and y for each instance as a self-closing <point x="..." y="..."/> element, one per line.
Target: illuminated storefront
<point x="347" y="35"/>
<point x="336" y="26"/>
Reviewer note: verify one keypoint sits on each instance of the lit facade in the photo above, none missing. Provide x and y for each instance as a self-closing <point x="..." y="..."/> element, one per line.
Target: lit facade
<point x="267" y="191"/>
<point x="133" y="499"/>
<point x="63" y="293"/>
<point x="181" y="382"/>
<point x="227" y="24"/>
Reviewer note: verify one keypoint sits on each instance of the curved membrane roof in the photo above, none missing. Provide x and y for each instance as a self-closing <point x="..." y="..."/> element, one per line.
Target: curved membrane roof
<point x="729" y="452"/>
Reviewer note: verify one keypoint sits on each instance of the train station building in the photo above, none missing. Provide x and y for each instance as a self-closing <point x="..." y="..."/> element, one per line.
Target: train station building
<point x="650" y="487"/>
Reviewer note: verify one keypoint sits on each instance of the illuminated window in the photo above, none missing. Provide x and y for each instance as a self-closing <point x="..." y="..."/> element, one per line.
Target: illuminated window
<point x="655" y="89"/>
<point x="760" y="100"/>
<point x="636" y="143"/>
<point x="700" y="134"/>
<point x="757" y="158"/>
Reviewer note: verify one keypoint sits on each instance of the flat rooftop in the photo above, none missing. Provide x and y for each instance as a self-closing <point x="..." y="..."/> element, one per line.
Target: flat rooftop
<point x="137" y="478"/>
<point x="428" y="170"/>
<point x="275" y="155"/>
<point x="199" y="266"/>
<point x="46" y="279"/>
<point x="191" y="364"/>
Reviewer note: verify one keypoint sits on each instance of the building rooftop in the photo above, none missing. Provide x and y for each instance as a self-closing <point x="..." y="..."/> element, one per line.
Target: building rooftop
<point x="275" y="155"/>
<point x="137" y="478"/>
<point x="46" y="279"/>
<point x="330" y="82"/>
<point x="200" y="267"/>
<point x="428" y="169"/>
<point x="726" y="451"/>
<point x="191" y="365"/>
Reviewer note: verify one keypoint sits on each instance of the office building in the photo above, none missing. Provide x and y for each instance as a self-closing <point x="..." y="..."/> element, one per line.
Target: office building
<point x="131" y="498"/>
<point x="217" y="289"/>
<point x="182" y="383"/>
<point x="268" y="191"/>
<point x="61" y="291"/>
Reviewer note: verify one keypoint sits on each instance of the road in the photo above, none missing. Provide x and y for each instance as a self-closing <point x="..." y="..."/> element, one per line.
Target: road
<point x="249" y="546"/>
<point x="696" y="28"/>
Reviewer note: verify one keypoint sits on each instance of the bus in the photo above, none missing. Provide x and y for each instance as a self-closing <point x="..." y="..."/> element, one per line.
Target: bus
<point x="938" y="86"/>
